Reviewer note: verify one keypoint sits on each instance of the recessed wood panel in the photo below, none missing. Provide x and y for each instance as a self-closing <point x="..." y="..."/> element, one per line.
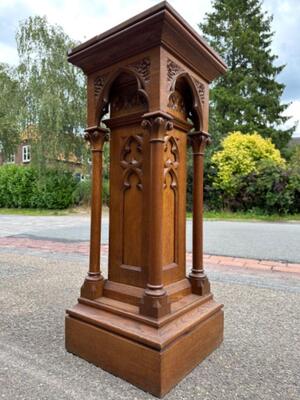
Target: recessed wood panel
<point x="169" y="222"/>
<point x="132" y="223"/>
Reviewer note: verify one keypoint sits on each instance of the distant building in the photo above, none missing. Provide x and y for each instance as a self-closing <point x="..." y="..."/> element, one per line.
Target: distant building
<point x="23" y="155"/>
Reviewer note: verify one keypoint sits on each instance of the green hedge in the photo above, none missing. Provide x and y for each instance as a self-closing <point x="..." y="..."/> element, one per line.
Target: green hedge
<point x="25" y="187"/>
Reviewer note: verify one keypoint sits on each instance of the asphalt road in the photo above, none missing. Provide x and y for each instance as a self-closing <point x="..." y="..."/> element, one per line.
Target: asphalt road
<point x="259" y="359"/>
<point x="259" y="240"/>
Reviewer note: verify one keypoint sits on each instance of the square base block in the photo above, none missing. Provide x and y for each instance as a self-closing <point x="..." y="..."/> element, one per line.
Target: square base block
<point x="152" y="369"/>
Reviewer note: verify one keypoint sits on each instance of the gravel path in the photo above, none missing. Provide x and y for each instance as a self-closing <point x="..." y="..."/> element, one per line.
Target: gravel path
<point x="259" y="359"/>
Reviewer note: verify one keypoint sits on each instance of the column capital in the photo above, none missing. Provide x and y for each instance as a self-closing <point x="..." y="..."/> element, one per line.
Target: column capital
<point x="199" y="140"/>
<point x="97" y="136"/>
<point x="158" y="123"/>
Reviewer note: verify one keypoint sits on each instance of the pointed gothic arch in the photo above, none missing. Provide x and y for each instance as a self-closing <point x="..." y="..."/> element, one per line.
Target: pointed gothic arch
<point x="187" y="86"/>
<point x="104" y="97"/>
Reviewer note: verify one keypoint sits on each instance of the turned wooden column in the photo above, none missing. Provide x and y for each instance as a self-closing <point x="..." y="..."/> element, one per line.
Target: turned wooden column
<point x="92" y="287"/>
<point x="198" y="278"/>
<point x="155" y="302"/>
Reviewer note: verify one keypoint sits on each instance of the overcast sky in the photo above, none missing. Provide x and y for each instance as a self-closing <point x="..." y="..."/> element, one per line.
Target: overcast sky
<point x="82" y="19"/>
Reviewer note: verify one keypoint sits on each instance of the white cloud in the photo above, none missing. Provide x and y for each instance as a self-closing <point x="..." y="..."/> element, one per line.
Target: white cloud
<point x="8" y="54"/>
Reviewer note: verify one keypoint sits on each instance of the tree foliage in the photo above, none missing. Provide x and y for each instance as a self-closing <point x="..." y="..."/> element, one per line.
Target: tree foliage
<point x="247" y="97"/>
<point x="9" y="110"/>
<point x="53" y="91"/>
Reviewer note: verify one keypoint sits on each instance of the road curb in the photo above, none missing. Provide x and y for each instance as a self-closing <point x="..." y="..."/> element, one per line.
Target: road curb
<point x="265" y="265"/>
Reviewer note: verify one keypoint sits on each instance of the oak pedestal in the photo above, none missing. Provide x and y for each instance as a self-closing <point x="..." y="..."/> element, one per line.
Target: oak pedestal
<point x="148" y="96"/>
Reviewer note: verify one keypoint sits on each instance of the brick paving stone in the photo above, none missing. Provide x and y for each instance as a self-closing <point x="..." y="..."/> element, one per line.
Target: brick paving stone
<point x="83" y="249"/>
<point x="289" y="269"/>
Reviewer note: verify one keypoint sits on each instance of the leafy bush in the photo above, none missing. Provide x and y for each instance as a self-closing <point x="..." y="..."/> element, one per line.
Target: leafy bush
<point x="82" y="193"/>
<point x="239" y="157"/>
<point x="24" y="187"/>
<point x="270" y="189"/>
<point x="295" y="158"/>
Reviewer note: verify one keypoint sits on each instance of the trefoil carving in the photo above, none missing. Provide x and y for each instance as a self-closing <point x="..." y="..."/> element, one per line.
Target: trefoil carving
<point x="171" y="161"/>
<point x="131" y="161"/>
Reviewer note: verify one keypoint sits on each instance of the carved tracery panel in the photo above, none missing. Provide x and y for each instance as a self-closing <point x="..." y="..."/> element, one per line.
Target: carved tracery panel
<point x="171" y="165"/>
<point x="131" y="163"/>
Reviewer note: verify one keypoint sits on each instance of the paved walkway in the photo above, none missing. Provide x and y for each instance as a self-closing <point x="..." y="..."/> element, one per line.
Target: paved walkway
<point x="82" y="248"/>
<point x="262" y="241"/>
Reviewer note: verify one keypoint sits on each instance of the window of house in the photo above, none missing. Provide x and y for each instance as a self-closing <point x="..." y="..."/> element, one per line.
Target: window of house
<point x="11" y="159"/>
<point x="26" y="157"/>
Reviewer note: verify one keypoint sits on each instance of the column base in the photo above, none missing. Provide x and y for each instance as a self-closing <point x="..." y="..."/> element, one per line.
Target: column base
<point x="200" y="284"/>
<point x="155" y="306"/>
<point x="152" y="358"/>
<point x="92" y="287"/>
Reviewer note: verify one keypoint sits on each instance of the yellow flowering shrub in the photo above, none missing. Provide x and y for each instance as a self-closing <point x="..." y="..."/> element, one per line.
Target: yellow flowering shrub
<point x="239" y="156"/>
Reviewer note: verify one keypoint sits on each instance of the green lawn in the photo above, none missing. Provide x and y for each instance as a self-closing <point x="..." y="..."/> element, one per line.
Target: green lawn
<point x="247" y="216"/>
<point x="209" y="215"/>
<point x="34" y="211"/>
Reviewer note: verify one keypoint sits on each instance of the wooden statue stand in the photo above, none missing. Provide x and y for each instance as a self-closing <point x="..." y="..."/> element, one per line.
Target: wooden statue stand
<point x="147" y="323"/>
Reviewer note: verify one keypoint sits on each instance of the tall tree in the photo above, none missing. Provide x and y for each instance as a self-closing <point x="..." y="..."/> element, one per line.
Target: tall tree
<point x="248" y="97"/>
<point x="53" y="90"/>
<point x="9" y="110"/>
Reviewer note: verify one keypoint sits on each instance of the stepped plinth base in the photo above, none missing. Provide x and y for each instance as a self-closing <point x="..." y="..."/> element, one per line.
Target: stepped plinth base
<point x="151" y="354"/>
